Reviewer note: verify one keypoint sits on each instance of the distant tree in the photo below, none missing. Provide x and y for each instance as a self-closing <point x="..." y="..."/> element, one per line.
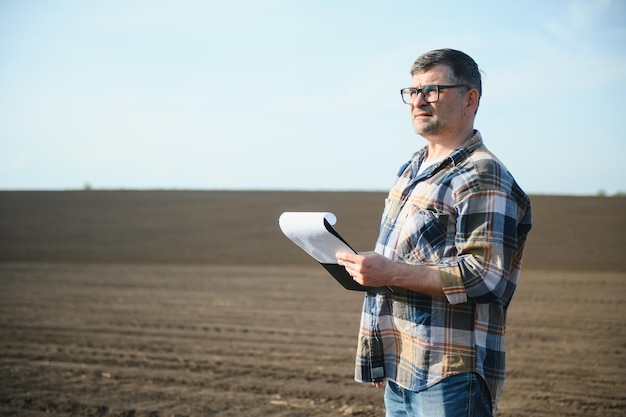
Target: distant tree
<point x="86" y="186"/>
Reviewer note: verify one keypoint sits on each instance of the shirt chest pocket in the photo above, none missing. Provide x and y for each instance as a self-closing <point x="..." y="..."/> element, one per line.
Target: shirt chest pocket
<point x="422" y="237"/>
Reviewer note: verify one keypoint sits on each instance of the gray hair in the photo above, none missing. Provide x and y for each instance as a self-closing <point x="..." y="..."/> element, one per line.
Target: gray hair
<point x="462" y="68"/>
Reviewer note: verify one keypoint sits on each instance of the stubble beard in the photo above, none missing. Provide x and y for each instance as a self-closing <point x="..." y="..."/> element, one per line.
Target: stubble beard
<point x="433" y="127"/>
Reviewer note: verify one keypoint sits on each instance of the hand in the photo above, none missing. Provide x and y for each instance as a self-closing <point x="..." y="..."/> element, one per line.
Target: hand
<point x="378" y="384"/>
<point x="374" y="270"/>
<point x="367" y="268"/>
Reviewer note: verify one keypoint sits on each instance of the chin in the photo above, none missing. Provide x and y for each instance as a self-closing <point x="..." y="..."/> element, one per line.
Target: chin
<point x="424" y="129"/>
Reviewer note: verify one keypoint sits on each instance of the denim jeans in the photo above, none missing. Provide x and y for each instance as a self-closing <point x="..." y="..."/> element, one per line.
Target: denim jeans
<point x="463" y="395"/>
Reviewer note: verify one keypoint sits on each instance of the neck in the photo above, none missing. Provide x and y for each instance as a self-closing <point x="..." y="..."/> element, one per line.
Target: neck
<point x="439" y="148"/>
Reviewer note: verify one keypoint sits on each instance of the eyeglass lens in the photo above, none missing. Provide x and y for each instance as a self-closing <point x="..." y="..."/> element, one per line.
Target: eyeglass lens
<point x="430" y="93"/>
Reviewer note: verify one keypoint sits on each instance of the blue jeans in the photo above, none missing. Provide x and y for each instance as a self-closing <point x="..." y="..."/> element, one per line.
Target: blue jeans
<point x="463" y="395"/>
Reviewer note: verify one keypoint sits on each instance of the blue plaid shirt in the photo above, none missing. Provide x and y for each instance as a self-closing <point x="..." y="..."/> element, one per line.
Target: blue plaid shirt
<point x="467" y="216"/>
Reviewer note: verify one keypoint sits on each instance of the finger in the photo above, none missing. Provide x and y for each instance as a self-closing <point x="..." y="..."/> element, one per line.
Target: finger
<point x="341" y="255"/>
<point x="346" y="257"/>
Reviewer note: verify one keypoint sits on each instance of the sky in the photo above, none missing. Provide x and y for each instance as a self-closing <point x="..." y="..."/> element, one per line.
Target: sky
<point x="299" y="95"/>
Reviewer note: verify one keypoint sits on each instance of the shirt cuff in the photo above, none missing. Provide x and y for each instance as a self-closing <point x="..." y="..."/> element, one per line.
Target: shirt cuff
<point x="452" y="284"/>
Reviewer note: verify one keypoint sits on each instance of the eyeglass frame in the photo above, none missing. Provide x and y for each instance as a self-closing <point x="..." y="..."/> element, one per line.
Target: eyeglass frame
<point x="437" y="87"/>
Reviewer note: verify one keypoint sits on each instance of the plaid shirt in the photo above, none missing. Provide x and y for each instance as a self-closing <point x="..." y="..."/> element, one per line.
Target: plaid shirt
<point x="468" y="216"/>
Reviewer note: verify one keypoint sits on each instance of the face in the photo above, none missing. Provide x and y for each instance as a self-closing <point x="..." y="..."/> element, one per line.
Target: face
<point x="442" y="117"/>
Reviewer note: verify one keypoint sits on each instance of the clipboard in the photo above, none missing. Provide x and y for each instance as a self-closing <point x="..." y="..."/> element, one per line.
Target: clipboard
<point x="314" y="233"/>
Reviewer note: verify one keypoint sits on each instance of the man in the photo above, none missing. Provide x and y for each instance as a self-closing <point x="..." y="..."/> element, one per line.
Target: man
<point x="450" y="247"/>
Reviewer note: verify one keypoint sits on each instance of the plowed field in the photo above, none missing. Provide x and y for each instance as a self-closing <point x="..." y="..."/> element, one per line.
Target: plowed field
<point x="176" y="303"/>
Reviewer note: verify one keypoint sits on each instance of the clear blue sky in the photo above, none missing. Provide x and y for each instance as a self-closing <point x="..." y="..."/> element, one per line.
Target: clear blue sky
<point x="299" y="95"/>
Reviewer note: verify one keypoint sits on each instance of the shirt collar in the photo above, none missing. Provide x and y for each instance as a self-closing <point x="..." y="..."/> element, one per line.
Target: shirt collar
<point x="466" y="149"/>
<point x="456" y="157"/>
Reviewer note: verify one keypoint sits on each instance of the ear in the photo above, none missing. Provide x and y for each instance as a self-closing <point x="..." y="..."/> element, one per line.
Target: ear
<point x="472" y="99"/>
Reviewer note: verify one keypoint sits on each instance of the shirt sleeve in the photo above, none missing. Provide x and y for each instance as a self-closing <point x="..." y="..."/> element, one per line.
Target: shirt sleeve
<point x="486" y="241"/>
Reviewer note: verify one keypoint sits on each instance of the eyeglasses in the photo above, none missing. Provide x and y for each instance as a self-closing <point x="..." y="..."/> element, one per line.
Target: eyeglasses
<point x="430" y="93"/>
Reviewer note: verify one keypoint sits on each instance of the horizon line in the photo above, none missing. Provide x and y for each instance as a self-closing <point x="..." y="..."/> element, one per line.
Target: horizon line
<point x="599" y="193"/>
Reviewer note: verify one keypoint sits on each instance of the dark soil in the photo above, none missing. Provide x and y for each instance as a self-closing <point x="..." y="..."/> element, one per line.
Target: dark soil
<point x="192" y="303"/>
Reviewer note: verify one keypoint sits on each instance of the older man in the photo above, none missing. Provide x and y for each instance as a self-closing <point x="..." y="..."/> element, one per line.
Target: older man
<point x="450" y="246"/>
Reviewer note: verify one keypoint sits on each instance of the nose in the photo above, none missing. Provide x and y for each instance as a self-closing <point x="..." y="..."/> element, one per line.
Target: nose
<point x="418" y="100"/>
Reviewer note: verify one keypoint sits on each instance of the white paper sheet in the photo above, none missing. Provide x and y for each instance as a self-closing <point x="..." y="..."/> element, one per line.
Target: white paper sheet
<point x="308" y="231"/>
